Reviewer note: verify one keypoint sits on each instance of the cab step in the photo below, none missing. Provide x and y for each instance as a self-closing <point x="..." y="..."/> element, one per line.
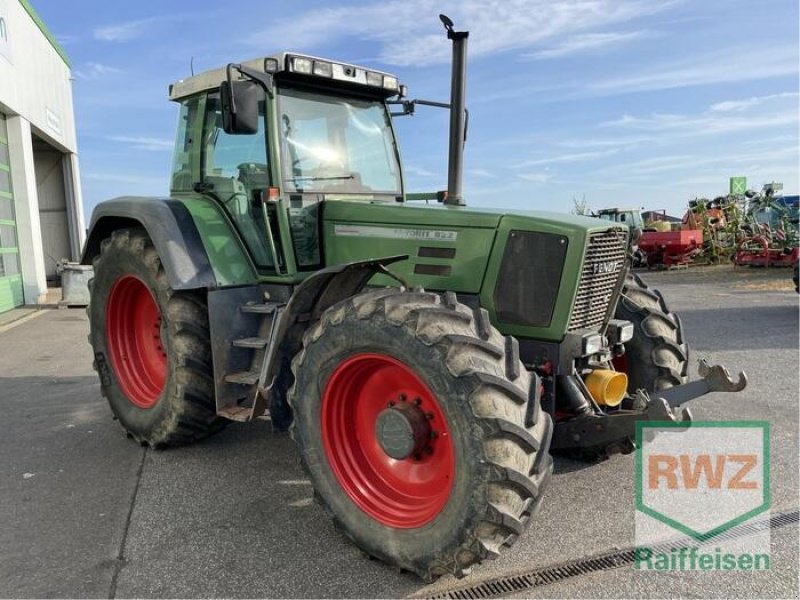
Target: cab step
<point x="236" y="413"/>
<point x="260" y="309"/>
<point x="243" y="377"/>
<point x="256" y="343"/>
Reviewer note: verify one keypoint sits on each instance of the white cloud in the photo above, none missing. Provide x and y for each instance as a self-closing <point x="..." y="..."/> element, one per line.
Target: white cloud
<point x="418" y="171"/>
<point x="567" y="158"/>
<point x="94" y="70"/>
<point x="483" y="173"/>
<point x="128" y="178"/>
<point x="65" y="39"/>
<point x="538" y="177"/>
<point x="410" y="34"/>
<point x="730" y="65"/>
<point x="649" y="169"/>
<point x="149" y="144"/>
<point x="709" y="123"/>
<point x="594" y="142"/>
<point x="124" y="32"/>
<point x="740" y="105"/>
<point x="137" y="28"/>
<point x="586" y="41"/>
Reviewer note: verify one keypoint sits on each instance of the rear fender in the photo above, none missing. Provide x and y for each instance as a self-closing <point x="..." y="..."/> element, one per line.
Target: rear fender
<point x="174" y="234"/>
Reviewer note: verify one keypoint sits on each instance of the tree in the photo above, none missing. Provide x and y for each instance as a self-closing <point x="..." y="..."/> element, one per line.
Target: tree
<point x="581" y="207"/>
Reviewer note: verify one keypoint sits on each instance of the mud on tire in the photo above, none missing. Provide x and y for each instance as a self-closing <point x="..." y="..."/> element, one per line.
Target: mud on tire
<point x="184" y="410"/>
<point x="499" y="435"/>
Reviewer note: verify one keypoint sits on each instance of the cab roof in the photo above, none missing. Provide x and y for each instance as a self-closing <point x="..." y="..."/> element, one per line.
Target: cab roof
<point x="299" y="67"/>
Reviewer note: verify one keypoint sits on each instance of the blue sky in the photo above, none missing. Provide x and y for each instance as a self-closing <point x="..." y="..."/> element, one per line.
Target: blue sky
<point x="623" y="102"/>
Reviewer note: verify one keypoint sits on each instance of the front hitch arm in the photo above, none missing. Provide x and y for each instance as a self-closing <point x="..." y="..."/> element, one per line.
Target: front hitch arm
<point x="614" y="431"/>
<point x="714" y="378"/>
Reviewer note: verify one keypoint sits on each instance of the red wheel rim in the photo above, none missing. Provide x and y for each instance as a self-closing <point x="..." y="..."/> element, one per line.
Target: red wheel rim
<point x="405" y="493"/>
<point x="133" y="334"/>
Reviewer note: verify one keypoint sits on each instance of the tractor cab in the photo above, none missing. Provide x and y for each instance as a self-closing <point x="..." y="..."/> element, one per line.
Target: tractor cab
<point x="269" y="154"/>
<point x="631" y="217"/>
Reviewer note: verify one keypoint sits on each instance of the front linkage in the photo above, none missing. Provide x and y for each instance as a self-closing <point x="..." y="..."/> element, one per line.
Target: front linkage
<point x="603" y="432"/>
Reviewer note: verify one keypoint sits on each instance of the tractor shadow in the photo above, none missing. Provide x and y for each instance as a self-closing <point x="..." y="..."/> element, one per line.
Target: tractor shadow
<point x="564" y="464"/>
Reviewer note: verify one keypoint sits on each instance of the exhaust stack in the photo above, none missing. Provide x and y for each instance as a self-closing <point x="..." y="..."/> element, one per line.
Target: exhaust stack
<point x="458" y="81"/>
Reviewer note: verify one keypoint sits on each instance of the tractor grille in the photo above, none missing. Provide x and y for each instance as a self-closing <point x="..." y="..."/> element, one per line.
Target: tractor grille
<point x="605" y="257"/>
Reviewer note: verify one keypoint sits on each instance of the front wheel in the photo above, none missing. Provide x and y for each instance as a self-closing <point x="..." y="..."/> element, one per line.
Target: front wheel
<point x="151" y="345"/>
<point x="420" y="429"/>
<point x="657" y="357"/>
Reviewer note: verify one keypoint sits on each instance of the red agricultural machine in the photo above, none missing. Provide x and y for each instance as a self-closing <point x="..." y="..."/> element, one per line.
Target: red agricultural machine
<point x="761" y="250"/>
<point x="665" y="249"/>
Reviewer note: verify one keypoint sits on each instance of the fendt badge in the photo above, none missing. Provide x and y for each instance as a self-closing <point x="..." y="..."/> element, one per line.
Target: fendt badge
<point x="602" y="268"/>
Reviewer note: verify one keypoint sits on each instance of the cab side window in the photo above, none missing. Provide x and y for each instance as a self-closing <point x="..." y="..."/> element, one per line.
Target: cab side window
<point x="234" y="168"/>
<point x="184" y="146"/>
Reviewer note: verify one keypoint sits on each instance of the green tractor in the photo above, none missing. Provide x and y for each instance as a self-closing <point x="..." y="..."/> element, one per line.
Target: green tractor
<point x="427" y="358"/>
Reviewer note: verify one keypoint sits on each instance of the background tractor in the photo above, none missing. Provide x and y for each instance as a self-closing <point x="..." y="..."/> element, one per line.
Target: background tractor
<point x="632" y="217"/>
<point x="425" y="358"/>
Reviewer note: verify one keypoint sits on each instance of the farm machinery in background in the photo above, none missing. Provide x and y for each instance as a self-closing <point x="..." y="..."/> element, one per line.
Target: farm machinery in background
<point x="769" y="234"/>
<point x="656" y="244"/>
<point x="750" y="229"/>
<point x="632" y="217"/>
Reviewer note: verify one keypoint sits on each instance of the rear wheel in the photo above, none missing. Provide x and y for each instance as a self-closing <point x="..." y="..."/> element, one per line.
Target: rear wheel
<point x="151" y="345"/>
<point x="657" y="357"/>
<point x="420" y="429"/>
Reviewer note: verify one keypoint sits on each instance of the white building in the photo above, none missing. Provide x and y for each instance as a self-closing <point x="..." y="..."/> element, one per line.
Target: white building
<point x="41" y="216"/>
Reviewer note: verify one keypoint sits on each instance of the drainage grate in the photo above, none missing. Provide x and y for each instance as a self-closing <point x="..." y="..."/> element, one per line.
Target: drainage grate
<point x="612" y="560"/>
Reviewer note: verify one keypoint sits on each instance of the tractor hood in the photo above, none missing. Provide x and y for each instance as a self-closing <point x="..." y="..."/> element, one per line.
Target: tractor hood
<point x="413" y="214"/>
<point x="526" y="267"/>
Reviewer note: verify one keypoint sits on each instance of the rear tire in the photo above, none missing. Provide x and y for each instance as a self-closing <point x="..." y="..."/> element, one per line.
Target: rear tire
<point x="657" y="357"/>
<point x="454" y="503"/>
<point x="151" y="345"/>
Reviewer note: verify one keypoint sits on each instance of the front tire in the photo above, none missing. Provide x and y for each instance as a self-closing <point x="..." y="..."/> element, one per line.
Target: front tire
<point x="657" y="357"/>
<point x="151" y="345"/>
<point x="420" y="429"/>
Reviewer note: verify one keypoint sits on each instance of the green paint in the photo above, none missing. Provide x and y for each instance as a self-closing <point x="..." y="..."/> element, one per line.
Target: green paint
<point x="230" y="262"/>
<point x="472" y="244"/>
<point x="10" y="284"/>
<point x="479" y="244"/>
<point x="45" y="31"/>
<point x="10" y="292"/>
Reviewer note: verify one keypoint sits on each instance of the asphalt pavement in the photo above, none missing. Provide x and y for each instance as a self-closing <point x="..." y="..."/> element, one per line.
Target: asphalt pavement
<point x="86" y="512"/>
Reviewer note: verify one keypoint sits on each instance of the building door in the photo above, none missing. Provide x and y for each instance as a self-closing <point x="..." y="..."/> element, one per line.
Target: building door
<point x="48" y="164"/>
<point x="10" y="277"/>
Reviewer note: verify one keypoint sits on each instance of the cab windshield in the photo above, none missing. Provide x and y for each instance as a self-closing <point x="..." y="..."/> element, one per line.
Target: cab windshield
<point x="336" y="145"/>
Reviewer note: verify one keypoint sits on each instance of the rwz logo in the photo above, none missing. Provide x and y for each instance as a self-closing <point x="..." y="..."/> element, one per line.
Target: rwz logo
<point x="702" y="478"/>
<point x="603" y="268"/>
<point x="688" y="472"/>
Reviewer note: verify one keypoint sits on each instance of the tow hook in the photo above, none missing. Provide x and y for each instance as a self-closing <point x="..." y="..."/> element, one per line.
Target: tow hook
<point x="714" y="378"/>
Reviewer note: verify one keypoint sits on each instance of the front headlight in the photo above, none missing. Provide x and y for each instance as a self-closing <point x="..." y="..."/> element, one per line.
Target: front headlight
<point x="592" y="344"/>
<point x="620" y="331"/>
<point x="390" y="83"/>
<point x="303" y="65"/>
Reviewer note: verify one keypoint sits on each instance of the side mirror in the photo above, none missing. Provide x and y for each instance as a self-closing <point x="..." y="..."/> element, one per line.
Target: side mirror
<point x="239" y="107"/>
